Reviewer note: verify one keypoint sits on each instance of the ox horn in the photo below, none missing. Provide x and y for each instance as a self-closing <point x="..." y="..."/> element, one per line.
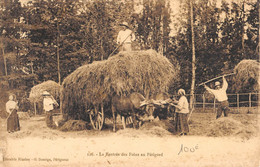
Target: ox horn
<point x="156" y="102"/>
<point x="143" y="103"/>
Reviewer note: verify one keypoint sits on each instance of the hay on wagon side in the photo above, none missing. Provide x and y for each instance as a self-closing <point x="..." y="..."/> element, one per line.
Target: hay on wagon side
<point x="36" y="92"/>
<point x="146" y="72"/>
<point x="247" y="75"/>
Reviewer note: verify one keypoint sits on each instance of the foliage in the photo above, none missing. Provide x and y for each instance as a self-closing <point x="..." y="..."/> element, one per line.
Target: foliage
<point x="53" y="38"/>
<point x="221" y="38"/>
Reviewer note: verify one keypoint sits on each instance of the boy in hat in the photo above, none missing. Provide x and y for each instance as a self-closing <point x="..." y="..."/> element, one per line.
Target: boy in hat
<point x="221" y="96"/>
<point x="125" y="37"/>
<point x="48" y="102"/>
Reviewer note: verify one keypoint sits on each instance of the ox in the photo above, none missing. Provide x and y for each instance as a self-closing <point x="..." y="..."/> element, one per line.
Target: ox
<point x="132" y="105"/>
<point x="162" y="105"/>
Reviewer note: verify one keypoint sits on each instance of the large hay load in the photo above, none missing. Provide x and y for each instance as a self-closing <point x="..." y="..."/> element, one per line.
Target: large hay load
<point x="247" y="75"/>
<point x="145" y="72"/>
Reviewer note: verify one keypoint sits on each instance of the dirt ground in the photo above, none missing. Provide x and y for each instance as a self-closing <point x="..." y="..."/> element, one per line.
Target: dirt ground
<point x="229" y="141"/>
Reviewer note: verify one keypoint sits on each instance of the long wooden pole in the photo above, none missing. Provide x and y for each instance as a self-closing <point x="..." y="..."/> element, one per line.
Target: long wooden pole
<point x="58" y="54"/>
<point x="215" y="79"/>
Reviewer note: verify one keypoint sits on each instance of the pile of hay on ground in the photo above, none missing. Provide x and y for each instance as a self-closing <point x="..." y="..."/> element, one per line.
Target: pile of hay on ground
<point x="74" y="125"/>
<point x="247" y="75"/>
<point x="36" y="92"/>
<point x="227" y="126"/>
<point x="165" y="124"/>
<point x="158" y="128"/>
<point x="146" y="72"/>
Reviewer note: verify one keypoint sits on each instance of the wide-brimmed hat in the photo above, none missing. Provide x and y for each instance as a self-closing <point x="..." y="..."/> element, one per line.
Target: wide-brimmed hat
<point x="217" y="83"/>
<point x="124" y="24"/>
<point x="45" y="93"/>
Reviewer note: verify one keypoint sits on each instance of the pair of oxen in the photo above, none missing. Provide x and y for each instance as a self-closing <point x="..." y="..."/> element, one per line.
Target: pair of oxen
<point x="139" y="109"/>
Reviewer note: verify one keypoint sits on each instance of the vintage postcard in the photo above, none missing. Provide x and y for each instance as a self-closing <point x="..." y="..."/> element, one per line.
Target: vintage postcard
<point x="129" y="83"/>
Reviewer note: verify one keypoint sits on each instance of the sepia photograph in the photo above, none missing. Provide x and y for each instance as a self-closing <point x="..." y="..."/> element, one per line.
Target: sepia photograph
<point x="129" y="83"/>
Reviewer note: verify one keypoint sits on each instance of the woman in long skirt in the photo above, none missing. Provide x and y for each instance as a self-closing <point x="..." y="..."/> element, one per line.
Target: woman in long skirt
<point x="182" y="111"/>
<point x="13" y="119"/>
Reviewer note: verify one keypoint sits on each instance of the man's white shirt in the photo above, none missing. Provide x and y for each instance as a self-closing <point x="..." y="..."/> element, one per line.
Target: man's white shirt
<point x="125" y="36"/>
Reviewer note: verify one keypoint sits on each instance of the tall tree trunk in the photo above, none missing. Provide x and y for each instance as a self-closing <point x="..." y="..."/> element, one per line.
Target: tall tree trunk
<point x="58" y="53"/>
<point x="193" y="56"/>
<point x="243" y="29"/>
<point x="3" y="51"/>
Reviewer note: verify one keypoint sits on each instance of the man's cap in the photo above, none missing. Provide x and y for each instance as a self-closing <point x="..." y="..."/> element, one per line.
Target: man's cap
<point x="217" y="83"/>
<point x="124" y="24"/>
<point x="45" y="93"/>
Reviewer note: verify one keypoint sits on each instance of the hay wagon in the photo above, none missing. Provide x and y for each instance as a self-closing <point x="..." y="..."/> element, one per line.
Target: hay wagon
<point x="97" y="117"/>
<point x="87" y="92"/>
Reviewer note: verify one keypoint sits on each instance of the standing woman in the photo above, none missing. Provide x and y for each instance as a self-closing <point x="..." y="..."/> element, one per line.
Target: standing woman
<point x="182" y="111"/>
<point x="12" y="120"/>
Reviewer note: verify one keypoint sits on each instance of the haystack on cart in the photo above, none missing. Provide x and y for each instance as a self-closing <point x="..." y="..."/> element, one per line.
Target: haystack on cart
<point x="87" y="92"/>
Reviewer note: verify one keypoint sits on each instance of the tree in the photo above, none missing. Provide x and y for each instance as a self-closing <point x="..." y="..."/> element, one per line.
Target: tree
<point x="218" y="35"/>
<point x="153" y="26"/>
<point x="193" y="56"/>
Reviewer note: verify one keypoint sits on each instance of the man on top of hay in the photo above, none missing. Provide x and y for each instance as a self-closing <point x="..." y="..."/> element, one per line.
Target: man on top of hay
<point x="221" y="96"/>
<point x="125" y="37"/>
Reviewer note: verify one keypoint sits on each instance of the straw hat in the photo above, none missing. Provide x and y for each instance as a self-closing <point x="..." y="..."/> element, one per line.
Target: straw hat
<point x="217" y="83"/>
<point x="124" y="24"/>
<point x="45" y="93"/>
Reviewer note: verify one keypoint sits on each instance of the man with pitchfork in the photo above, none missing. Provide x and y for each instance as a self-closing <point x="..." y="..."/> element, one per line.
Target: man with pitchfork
<point x="125" y="37"/>
<point x="48" y="102"/>
<point x="220" y="94"/>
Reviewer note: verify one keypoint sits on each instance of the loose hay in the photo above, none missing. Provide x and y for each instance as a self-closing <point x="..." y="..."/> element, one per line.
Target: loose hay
<point x="144" y="131"/>
<point x="36" y="92"/>
<point x="227" y="126"/>
<point x="146" y="72"/>
<point x="74" y="125"/>
<point x="158" y="128"/>
<point x="247" y="75"/>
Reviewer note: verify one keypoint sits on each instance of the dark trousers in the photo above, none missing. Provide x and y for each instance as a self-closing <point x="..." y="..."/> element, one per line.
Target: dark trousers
<point x="49" y="119"/>
<point x="223" y="107"/>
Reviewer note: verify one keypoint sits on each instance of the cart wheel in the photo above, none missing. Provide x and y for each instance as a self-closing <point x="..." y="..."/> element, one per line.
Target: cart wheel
<point x="97" y="118"/>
